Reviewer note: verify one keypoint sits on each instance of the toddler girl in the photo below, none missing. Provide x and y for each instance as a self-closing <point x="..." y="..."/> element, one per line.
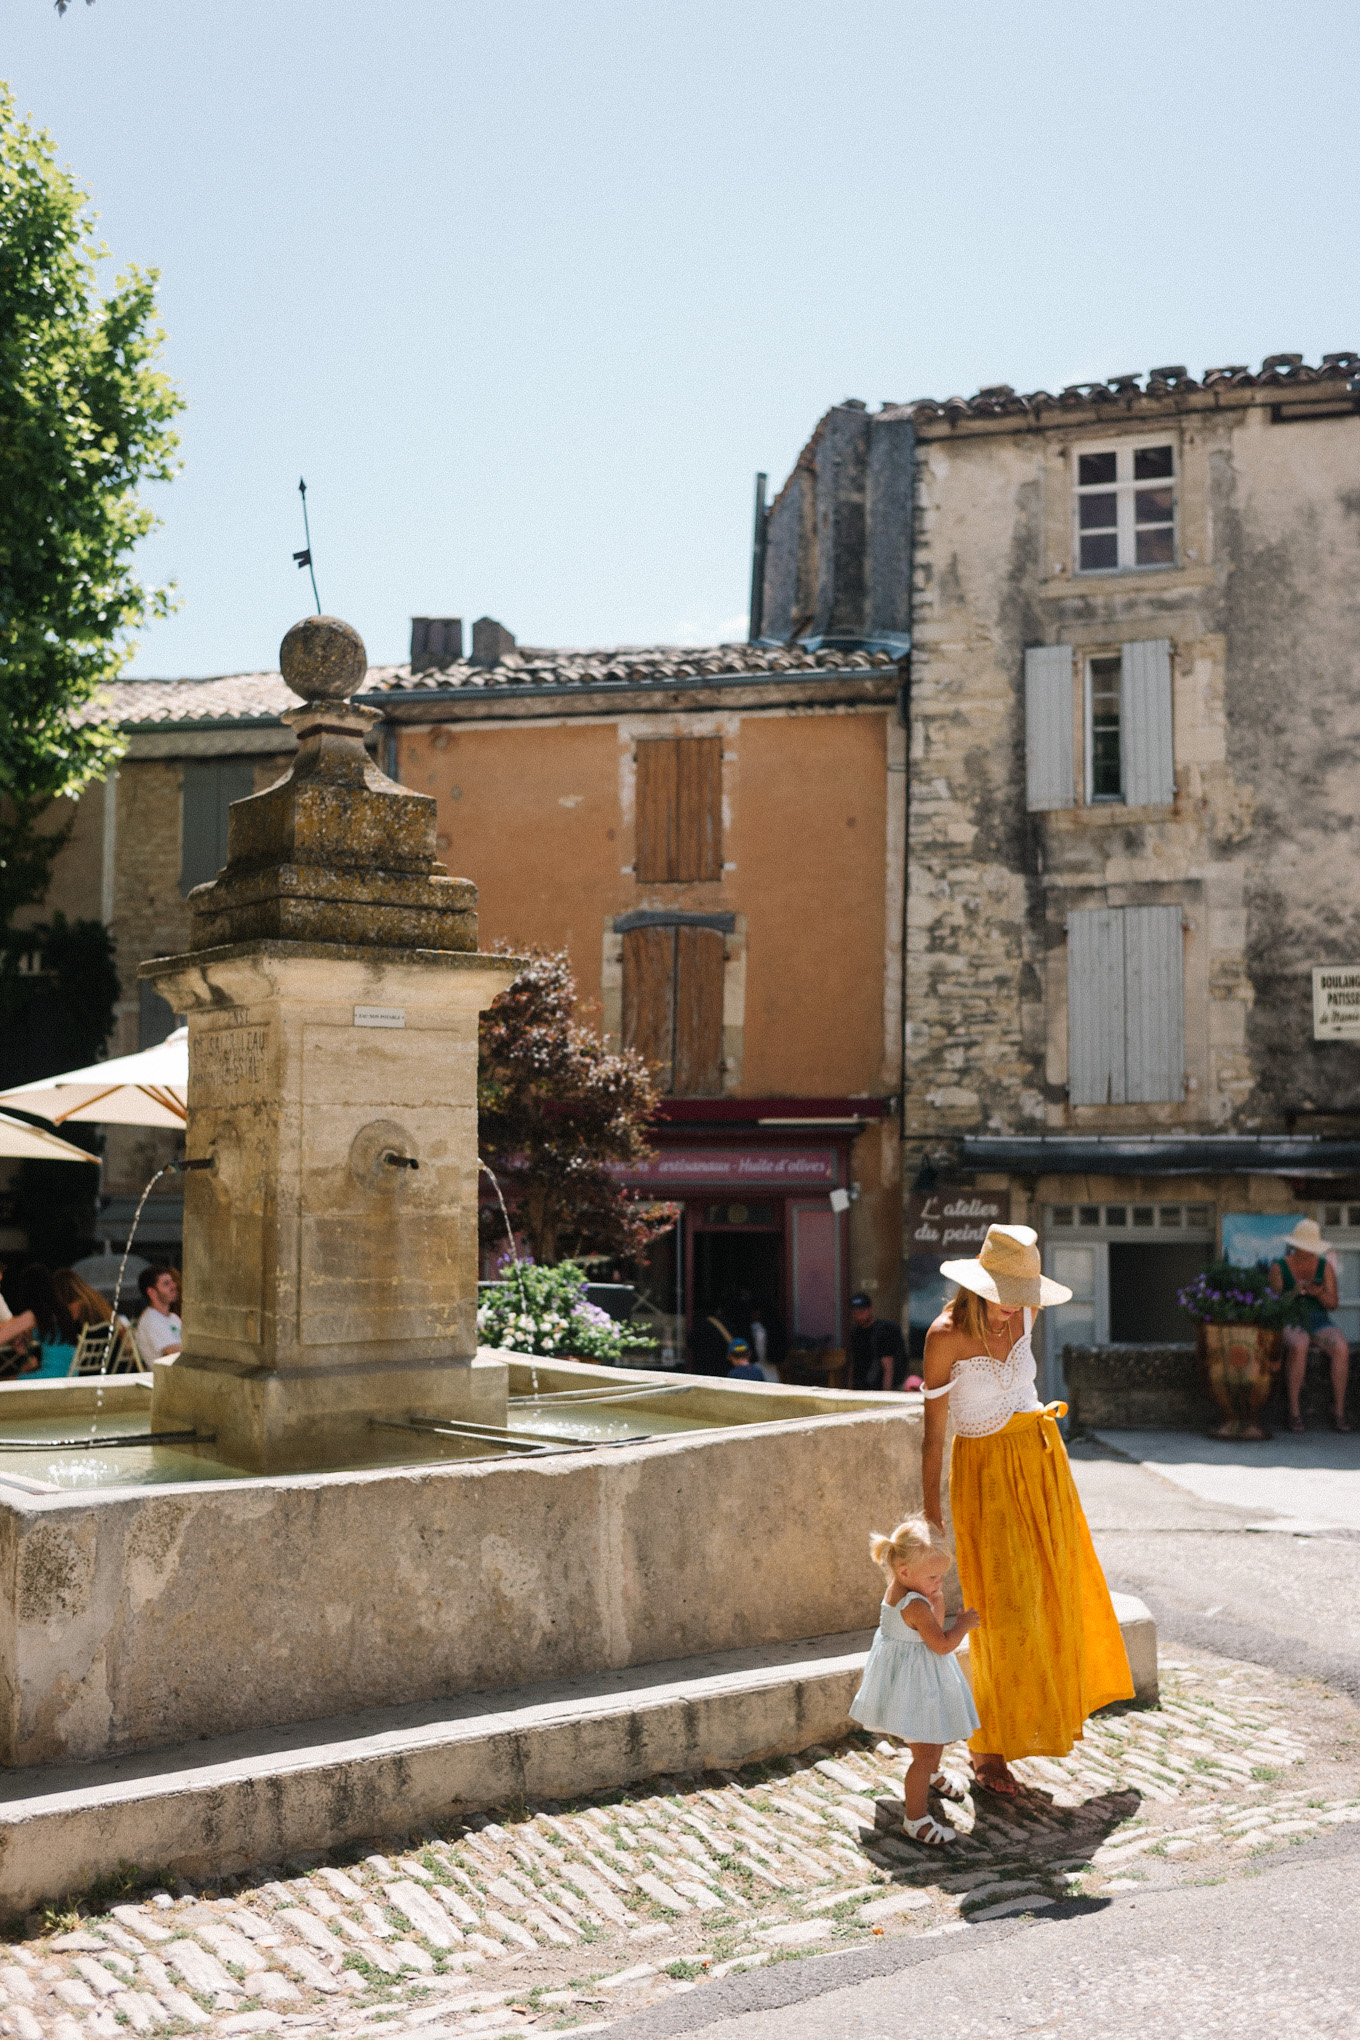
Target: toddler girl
<point x="913" y="1686"/>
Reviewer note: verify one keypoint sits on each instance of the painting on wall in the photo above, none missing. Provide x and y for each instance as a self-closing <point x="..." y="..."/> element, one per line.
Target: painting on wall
<point x="1251" y="1236"/>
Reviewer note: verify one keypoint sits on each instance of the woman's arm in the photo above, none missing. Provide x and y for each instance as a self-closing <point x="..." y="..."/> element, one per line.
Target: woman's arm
<point x="938" y="1362"/>
<point x="17" y="1327"/>
<point x="1327" y="1292"/>
<point x="943" y="1641"/>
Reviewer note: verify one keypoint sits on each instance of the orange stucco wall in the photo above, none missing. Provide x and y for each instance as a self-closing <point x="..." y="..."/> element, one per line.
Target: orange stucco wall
<point x="539" y="817"/>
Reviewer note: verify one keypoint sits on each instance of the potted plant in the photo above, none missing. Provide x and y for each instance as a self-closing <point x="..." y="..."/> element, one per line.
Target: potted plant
<point x="1238" y="1323"/>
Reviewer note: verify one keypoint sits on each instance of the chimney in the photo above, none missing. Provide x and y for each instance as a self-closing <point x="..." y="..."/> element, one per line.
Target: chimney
<point x="490" y="641"/>
<point x="436" y="641"/>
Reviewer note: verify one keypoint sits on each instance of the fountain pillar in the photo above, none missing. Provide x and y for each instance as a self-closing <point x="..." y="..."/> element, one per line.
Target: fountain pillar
<point x="332" y="986"/>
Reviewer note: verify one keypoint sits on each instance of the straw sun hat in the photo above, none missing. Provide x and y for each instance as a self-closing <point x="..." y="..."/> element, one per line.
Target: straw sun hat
<point x="1307" y="1237"/>
<point x="1007" y="1270"/>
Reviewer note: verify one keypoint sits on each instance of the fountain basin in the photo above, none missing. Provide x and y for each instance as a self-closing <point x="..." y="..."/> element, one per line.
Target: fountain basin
<point x="139" y="1616"/>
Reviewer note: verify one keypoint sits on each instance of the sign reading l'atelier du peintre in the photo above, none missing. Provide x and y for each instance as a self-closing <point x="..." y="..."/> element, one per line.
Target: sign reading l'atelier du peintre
<point x="1336" y="1002"/>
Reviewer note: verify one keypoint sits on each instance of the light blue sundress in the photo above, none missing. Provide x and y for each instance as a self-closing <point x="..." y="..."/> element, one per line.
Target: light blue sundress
<point x="909" y="1690"/>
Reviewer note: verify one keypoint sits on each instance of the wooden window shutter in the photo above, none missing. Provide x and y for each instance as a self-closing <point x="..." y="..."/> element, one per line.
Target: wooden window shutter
<point x="698" y="1012"/>
<point x="1095" y="1006"/>
<point x="679" y="809"/>
<point x="1049" y="777"/>
<point x="657" y="771"/>
<point x="649" y="997"/>
<point x="699" y="808"/>
<point x="210" y="785"/>
<point x="1145" y="723"/>
<point x="1154" y="1005"/>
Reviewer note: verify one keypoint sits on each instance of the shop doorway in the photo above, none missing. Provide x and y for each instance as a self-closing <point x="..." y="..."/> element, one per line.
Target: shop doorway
<point x="736" y="1264"/>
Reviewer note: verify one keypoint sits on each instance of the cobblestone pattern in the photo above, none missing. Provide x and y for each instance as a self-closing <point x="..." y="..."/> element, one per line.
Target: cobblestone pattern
<point x="553" y="1918"/>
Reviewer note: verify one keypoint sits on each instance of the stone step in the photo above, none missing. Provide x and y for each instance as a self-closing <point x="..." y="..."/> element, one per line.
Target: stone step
<point x="217" y="1806"/>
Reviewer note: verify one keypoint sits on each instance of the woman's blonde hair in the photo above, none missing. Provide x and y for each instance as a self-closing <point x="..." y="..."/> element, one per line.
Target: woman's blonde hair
<point x="85" y="1305"/>
<point x="968" y="1313"/>
<point x="911" y="1540"/>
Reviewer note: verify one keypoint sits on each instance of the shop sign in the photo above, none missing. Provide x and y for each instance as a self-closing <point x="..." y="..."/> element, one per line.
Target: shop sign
<point x="1336" y="1002"/>
<point x="946" y="1225"/>
<point x="677" y="1169"/>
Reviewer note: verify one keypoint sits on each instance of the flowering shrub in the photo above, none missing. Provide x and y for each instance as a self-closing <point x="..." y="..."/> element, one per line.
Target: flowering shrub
<point x="544" y="1311"/>
<point x="1223" y="1294"/>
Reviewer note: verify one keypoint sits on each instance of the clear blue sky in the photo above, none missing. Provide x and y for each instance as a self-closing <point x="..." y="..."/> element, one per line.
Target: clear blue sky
<point x="528" y="291"/>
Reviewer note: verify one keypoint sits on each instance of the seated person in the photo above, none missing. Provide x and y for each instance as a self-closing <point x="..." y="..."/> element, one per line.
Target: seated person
<point x="84" y="1306"/>
<point x="1307" y="1273"/>
<point x="40" y="1337"/>
<point x="158" y="1331"/>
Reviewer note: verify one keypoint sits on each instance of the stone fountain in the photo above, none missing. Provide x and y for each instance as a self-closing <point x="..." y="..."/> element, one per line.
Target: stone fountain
<point x="332" y="987"/>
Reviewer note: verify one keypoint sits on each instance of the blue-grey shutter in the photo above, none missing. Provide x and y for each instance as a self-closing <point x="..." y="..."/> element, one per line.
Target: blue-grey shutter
<point x="209" y="788"/>
<point x="1145" y="724"/>
<point x="1049" y="778"/>
<point x="1095" y="1006"/>
<point x="1154" y="1006"/>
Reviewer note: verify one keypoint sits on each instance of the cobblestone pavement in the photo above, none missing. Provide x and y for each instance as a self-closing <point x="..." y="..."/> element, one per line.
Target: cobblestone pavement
<point x="549" y="1918"/>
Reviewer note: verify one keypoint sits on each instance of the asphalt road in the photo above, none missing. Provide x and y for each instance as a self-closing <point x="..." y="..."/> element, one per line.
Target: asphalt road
<point x="1271" y="1950"/>
<point x="1244" y="1960"/>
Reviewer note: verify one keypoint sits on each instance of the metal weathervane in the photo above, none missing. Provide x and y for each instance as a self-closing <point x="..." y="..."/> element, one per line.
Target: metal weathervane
<point x="304" y="558"/>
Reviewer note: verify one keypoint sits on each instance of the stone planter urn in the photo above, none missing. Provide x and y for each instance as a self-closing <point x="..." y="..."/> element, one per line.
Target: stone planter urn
<point x="1240" y="1364"/>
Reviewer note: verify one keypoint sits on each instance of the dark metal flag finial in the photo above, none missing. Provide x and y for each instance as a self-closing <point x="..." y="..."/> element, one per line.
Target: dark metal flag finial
<point x="304" y="558"/>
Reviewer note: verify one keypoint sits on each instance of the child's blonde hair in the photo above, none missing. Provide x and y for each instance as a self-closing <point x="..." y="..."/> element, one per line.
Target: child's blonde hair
<point x="911" y="1540"/>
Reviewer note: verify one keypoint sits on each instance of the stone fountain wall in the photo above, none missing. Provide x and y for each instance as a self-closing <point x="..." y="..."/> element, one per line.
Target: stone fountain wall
<point x="141" y="1617"/>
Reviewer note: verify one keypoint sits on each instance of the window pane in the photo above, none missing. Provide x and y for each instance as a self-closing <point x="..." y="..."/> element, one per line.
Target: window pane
<point x="1090" y="1214"/>
<point x="1151" y="461"/>
<point x="1094" y="468"/>
<point x="1107" y="781"/>
<point x="1156" y="548"/>
<point x="1170" y="1214"/>
<point x="1143" y="1214"/>
<point x="1331" y="1214"/>
<point x="1097" y="513"/>
<point x="1099" y="551"/>
<point x="1152" y="506"/>
<point x="1061" y="1214"/>
<point x="1115" y="1214"/>
<point x="1197" y="1214"/>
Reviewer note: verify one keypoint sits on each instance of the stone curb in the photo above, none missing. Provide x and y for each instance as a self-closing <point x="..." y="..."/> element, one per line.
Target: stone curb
<point x="216" y="1807"/>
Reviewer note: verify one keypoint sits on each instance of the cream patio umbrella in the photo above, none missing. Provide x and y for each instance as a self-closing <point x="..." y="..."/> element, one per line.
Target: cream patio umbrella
<point x="34" y="1144"/>
<point x="147" y="1089"/>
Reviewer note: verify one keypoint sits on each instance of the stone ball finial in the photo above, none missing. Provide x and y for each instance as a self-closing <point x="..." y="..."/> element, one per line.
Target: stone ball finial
<point x="323" y="659"/>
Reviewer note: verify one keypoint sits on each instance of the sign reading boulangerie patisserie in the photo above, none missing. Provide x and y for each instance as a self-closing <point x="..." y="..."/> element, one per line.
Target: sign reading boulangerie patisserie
<point x="1336" y="1002"/>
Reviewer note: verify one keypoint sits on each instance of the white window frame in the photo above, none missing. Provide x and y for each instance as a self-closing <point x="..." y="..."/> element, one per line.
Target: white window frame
<point x="1124" y="488"/>
<point x="1088" y="717"/>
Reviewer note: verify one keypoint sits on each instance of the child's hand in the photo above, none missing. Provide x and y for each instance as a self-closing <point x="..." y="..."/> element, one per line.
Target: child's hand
<point x="970" y="1619"/>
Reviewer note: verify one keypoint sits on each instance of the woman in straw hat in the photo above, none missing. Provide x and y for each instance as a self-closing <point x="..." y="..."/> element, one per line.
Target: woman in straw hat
<point x="1308" y="1275"/>
<point x="1047" y="1651"/>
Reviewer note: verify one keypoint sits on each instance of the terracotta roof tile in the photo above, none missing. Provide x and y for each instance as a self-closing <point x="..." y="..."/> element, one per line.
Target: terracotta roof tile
<point x="999" y="400"/>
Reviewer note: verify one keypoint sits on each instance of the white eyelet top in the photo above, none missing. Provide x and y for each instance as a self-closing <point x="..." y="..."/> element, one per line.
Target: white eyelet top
<point x="988" y="1393"/>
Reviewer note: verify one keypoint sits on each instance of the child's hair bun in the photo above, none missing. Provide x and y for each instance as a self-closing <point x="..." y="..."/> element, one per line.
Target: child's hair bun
<point x="910" y="1540"/>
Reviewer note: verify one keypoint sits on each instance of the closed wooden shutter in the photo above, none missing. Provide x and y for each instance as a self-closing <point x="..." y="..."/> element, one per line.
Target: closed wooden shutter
<point x="1125" y="1006"/>
<point x="1095" y="1006"/>
<point x="649" y="998"/>
<point x="1145" y="723"/>
<point x="698" y="1012"/>
<point x="210" y="785"/>
<point x="1154" y="1006"/>
<point x="657" y="771"/>
<point x="678" y="809"/>
<point x="1049" y="777"/>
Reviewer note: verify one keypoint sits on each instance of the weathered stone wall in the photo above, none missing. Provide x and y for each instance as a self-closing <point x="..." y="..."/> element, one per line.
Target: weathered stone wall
<point x="1258" y="848"/>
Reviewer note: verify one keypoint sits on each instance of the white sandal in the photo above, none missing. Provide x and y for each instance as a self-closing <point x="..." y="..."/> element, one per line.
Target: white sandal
<point x="927" y="1831"/>
<point x="948" y="1785"/>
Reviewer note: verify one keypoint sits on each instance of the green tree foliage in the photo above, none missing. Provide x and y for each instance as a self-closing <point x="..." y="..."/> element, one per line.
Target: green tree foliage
<point x="85" y="420"/>
<point x="555" y="1109"/>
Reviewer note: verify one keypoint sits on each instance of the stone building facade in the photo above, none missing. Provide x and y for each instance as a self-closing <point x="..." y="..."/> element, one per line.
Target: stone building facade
<point x="1134" y="753"/>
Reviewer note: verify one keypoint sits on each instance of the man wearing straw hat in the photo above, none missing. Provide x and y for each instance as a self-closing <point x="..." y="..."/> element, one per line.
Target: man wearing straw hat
<point x="1047" y="1652"/>
<point x="1308" y="1276"/>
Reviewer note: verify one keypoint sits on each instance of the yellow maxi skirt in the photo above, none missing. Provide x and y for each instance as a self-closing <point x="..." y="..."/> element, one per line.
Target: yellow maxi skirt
<point x="1048" y="1651"/>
